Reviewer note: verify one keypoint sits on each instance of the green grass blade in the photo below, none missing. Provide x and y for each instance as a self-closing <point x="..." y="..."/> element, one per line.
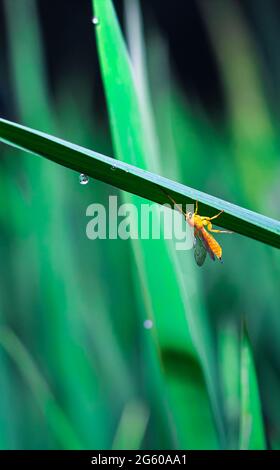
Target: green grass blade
<point x="132" y="427"/>
<point x="137" y="181"/>
<point x="176" y="332"/>
<point x="229" y="360"/>
<point x="252" y="434"/>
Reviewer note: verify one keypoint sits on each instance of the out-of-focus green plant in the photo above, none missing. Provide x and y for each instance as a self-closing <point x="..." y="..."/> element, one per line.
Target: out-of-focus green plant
<point x="252" y="435"/>
<point x="76" y="363"/>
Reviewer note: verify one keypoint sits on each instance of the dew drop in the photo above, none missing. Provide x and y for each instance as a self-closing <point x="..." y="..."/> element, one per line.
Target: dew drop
<point x="113" y="168"/>
<point x="148" y="324"/>
<point x="95" y="20"/>
<point x="84" y="179"/>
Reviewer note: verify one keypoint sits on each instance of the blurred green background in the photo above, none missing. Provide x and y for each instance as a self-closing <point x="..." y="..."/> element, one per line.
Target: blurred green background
<point x="78" y="369"/>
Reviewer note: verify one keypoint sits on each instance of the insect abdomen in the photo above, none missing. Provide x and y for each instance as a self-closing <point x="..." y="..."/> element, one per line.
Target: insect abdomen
<point x="213" y="244"/>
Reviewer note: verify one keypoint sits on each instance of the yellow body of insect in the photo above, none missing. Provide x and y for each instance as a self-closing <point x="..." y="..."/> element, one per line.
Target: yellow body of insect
<point x="204" y="241"/>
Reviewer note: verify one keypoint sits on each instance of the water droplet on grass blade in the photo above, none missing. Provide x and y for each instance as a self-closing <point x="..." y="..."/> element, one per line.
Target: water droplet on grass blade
<point x="95" y="20"/>
<point x="113" y="168"/>
<point x="148" y="324"/>
<point x="84" y="179"/>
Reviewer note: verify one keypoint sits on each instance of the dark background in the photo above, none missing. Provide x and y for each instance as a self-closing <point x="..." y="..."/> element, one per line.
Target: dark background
<point x="180" y="23"/>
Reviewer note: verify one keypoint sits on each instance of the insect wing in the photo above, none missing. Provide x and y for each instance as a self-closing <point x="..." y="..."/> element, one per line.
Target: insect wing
<point x="205" y="237"/>
<point x="200" y="252"/>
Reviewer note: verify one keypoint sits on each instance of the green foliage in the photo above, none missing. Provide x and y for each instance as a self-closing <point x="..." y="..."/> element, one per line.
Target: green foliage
<point x="77" y="368"/>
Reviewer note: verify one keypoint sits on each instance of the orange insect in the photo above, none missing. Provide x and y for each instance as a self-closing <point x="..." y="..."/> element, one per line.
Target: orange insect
<point x="204" y="242"/>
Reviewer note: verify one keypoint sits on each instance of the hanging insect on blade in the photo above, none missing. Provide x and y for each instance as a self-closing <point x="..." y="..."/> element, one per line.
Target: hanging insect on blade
<point x="204" y="242"/>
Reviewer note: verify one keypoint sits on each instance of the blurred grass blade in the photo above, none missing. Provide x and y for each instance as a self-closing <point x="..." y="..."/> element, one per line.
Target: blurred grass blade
<point x="56" y="417"/>
<point x="134" y="29"/>
<point x="138" y="181"/>
<point x="30" y="84"/>
<point x="252" y="434"/>
<point x="229" y="360"/>
<point x="132" y="427"/>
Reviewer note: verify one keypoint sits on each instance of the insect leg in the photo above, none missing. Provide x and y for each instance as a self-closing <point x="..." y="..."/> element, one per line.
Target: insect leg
<point x="175" y="204"/>
<point x="218" y="231"/>
<point x="206" y="218"/>
<point x="211" y="229"/>
<point x="215" y="216"/>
